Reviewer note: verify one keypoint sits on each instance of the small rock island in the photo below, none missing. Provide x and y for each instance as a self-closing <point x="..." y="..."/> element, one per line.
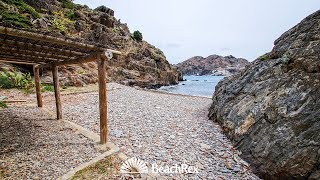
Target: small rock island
<point x="212" y="65"/>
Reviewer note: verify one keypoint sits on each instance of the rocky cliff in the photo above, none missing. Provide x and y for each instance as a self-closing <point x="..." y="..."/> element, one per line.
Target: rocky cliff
<point x="142" y="64"/>
<point x="271" y="110"/>
<point x="212" y="65"/>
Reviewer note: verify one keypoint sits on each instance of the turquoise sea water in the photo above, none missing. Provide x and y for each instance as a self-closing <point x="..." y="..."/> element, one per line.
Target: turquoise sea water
<point x="195" y="85"/>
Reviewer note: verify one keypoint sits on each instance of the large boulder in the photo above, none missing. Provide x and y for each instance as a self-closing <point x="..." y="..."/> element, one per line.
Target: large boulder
<point x="271" y="110"/>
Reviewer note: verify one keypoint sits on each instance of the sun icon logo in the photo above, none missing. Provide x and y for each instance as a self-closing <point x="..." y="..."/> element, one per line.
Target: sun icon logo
<point x="134" y="166"/>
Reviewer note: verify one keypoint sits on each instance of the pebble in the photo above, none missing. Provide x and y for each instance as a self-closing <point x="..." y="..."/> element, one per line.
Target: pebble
<point x="175" y="129"/>
<point x="39" y="153"/>
<point x="204" y="146"/>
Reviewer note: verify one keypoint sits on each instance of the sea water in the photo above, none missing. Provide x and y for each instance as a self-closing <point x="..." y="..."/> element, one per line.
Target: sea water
<point x="195" y="85"/>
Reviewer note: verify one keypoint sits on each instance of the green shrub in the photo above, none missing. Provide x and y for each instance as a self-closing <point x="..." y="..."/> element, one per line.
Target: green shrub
<point x="47" y="88"/>
<point x="68" y="4"/>
<point x="264" y="57"/>
<point x="26" y="8"/>
<point x="16" y="19"/>
<point x="285" y="59"/>
<point x="22" y="6"/>
<point x="60" y="22"/>
<point x="115" y="30"/>
<point x="71" y="15"/>
<point x="16" y="80"/>
<point x="137" y="35"/>
<point x="3" y="105"/>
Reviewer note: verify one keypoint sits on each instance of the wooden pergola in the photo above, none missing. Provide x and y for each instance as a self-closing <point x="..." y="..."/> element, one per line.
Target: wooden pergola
<point x="23" y="47"/>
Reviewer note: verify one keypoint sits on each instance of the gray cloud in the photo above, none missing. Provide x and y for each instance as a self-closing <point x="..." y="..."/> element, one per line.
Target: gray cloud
<point x="185" y="28"/>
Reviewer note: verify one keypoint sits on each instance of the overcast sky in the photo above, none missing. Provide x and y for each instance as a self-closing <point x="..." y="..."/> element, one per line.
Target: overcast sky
<point x="187" y="28"/>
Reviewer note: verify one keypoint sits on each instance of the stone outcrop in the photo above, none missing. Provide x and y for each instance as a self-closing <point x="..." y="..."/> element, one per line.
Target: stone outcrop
<point x="271" y="110"/>
<point x="212" y="65"/>
<point x="142" y="64"/>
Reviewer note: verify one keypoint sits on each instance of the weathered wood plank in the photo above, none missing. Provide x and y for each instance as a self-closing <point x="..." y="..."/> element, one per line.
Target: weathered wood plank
<point x="57" y="91"/>
<point x="86" y="59"/>
<point x="37" y="84"/>
<point x="41" y="48"/>
<point x="13" y="61"/>
<point x="49" y="39"/>
<point x="102" y="100"/>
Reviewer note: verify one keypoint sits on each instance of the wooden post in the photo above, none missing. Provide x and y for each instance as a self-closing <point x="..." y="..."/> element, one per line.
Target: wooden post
<point x="37" y="83"/>
<point x="103" y="100"/>
<point x="57" y="91"/>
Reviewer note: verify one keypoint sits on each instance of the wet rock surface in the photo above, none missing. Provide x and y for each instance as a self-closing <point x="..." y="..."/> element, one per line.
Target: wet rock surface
<point x="271" y="110"/>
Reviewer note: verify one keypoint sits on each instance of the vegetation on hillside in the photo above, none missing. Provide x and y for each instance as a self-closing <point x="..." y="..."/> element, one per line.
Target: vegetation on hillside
<point x="23" y="7"/>
<point x="142" y="64"/>
<point x="137" y="35"/>
<point x="62" y="23"/>
<point x="17" y="80"/>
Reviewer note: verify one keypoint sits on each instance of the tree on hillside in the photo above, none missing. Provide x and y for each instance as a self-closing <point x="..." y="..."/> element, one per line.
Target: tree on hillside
<point x="137" y="35"/>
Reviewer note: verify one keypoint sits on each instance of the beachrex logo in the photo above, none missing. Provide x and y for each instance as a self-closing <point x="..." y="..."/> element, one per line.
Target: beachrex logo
<point x="135" y="166"/>
<point x="176" y="169"/>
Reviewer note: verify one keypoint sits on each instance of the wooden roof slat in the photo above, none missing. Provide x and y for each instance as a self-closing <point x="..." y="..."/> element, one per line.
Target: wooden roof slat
<point x="49" y="39"/>
<point x="23" y="56"/>
<point x="14" y="61"/>
<point x="35" y="53"/>
<point x="86" y="59"/>
<point x="38" y="47"/>
<point x="29" y="47"/>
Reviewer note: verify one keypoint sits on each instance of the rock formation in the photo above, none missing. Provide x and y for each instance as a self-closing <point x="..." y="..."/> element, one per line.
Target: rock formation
<point x="271" y="110"/>
<point x="212" y="65"/>
<point x="142" y="64"/>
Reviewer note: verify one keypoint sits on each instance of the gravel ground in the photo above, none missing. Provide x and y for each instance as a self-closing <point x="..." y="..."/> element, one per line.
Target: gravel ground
<point x="162" y="128"/>
<point x="34" y="146"/>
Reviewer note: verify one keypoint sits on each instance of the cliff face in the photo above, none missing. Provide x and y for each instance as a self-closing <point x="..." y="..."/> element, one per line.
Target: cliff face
<point x="212" y="65"/>
<point x="142" y="64"/>
<point x="271" y="110"/>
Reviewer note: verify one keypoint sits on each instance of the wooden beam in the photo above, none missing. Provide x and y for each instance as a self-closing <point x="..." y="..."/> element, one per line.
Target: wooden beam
<point x="45" y="38"/>
<point x="103" y="100"/>
<point x="43" y="48"/>
<point x="33" y="52"/>
<point x="38" y="86"/>
<point x="12" y="61"/>
<point x="37" y="47"/>
<point x="35" y="59"/>
<point x="86" y="59"/>
<point x="57" y="91"/>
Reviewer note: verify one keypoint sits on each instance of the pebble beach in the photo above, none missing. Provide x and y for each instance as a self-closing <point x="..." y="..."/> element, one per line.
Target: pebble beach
<point x="161" y="128"/>
<point x="156" y="127"/>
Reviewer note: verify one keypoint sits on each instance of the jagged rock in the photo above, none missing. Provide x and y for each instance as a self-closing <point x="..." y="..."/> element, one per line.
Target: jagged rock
<point x="40" y="23"/>
<point x="212" y="65"/>
<point x="105" y="10"/>
<point x="79" y="26"/>
<point x="142" y="64"/>
<point x="106" y="20"/>
<point x="271" y="110"/>
<point x="80" y="15"/>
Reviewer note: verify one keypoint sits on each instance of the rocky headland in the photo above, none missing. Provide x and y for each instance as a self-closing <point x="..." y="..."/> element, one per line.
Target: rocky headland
<point x="212" y="65"/>
<point x="271" y="110"/>
<point x="142" y="64"/>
